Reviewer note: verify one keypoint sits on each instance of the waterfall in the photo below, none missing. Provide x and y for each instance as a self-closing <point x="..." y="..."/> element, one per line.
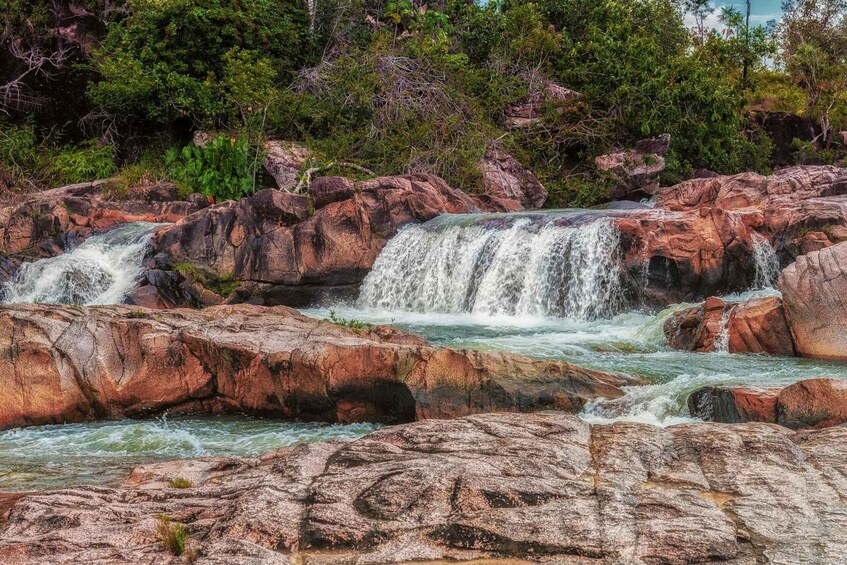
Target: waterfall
<point x="100" y="271"/>
<point x="765" y="263"/>
<point x="520" y="266"/>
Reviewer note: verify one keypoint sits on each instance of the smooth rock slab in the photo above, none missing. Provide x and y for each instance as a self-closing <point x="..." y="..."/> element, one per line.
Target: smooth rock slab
<point x="73" y="364"/>
<point x="545" y="488"/>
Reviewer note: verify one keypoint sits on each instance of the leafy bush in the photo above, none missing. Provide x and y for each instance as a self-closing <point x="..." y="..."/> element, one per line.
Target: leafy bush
<point x="169" y="60"/>
<point x="84" y="162"/>
<point x="224" y="168"/>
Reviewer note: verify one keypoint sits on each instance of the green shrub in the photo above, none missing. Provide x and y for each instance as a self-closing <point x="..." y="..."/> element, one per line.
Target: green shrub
<point x="168" y="59"/>
<point x="84" y="162"/>
<point x="179" y="482"/>
<point x="224" y="168"/>
<point x="173" y="536"/>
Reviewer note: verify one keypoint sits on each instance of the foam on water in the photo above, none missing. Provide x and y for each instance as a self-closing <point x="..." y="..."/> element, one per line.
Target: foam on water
<point x="524" y="267"/>
<point x="100" y="271"/>
<point x="51" y="456"/>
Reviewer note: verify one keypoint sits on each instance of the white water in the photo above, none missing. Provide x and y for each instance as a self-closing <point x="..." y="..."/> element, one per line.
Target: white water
<point x="100" y="271"/>
<point x="42" y="457"/>
<point x="521" y="268"/>
<point x="765" y="262"/>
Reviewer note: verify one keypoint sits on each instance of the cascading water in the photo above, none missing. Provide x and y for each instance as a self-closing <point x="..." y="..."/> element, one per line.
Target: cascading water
<point x="100" y="271"/>
<point x="526" y="266"/>
<point x="765" y="263"/>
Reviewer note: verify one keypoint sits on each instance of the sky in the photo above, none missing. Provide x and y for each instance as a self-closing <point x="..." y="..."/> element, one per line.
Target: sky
<point x="761" y="11"/>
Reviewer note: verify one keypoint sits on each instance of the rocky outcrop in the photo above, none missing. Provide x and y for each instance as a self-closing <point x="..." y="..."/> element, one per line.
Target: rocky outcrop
<point x="635" y="172"/>
<point x="810" y="403"/>
<point x="814" y="289"/>
<point x="530" y="112"/>
<point x="73" y="364"/>
<point x="278" y="247"/>
<point x="284" y="160"/>
<point x="755" y="326"/>
<point x="699" y="240"/>
<point x="538" y="488"/>
<point x="503" y="177"/>
<point x="45" y="223"/>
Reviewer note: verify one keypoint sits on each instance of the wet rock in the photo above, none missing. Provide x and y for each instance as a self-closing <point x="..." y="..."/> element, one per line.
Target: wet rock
<point x="504" y="178"/>
<point x="45" y="223"/>
<point x="74" y="364"/>
<point x="534" y="488"/>
<point x="810" y="403"/>
<point x="636" y="172"/>
<point x="814" y="290"/>
<point x="284" y="160"/>
<point x="754" y="326"/>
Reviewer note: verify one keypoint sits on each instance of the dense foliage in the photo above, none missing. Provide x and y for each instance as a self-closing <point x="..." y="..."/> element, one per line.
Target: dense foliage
<point x="398" y="86"/>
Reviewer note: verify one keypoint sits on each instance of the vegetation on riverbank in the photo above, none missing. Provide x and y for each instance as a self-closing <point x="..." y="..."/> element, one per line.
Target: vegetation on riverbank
<point x="397" y="86"/>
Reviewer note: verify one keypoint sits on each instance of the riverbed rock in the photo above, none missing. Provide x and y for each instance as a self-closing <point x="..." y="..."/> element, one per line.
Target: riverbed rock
<point x="503" y="177"/>
<point x="814" y="289"/>
<point x="73" y="364"/>
<point x="810" y="403"/>
<point x="278" y="247"/>
<point x="519" y="488"/>
<point x="44" y="223"/>
<point x="758" y="325"/>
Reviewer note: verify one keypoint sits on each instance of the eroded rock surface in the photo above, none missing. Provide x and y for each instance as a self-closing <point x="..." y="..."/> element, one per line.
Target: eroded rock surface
<point x="73" y="364"/>
<point x="810" y="403"/>
<point x="503" y="177"/>
<point x="535" y="488"/>
<point x="814" y="289"/>
<point x="636" y="171"/>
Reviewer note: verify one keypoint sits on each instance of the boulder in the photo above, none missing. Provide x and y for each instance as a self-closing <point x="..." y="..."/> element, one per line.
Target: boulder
<point x="276" y="247"/>
<point x="326" y="190"/>
<point x="814" y="289"/>
<point x="507" y="488"/>
<point x="754" y="326"/>
<point x="284" y="160"/>
<point x="530" y="112"/>
<point x="636" y="172"/>
<point x="75" y="364"/>
<point x="503" y="177"/>
<point x="810" y="403"/>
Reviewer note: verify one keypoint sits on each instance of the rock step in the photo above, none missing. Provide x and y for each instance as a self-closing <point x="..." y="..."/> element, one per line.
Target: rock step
<point x="63" y="364"/>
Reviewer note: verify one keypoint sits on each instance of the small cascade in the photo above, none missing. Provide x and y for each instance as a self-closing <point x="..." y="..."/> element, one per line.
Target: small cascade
<point x="533" y="267"/>
<point x="765" y="262"/>
<point x="100" y="271"/>
<point x="722" y="341"/>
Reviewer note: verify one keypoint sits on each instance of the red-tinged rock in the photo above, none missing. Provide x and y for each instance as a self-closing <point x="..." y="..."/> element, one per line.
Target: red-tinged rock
<point x="810" y="403"/>
<point x="504" y="178"/>
<point x="755" y="326"/>
<point x="73" y="364"/>
<point x="814" y="289"/>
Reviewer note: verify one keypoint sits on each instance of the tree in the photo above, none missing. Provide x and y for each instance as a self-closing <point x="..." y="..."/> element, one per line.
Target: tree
<point x="700" y="11"/>
<point x="813" y="38"/>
